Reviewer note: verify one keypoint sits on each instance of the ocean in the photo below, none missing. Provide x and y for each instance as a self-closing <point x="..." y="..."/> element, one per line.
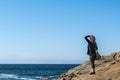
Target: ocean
<point x="33" y="71"/>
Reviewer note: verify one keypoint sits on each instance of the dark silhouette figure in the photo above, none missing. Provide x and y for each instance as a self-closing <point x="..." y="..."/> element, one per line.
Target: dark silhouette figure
<point x="91" y="51"/>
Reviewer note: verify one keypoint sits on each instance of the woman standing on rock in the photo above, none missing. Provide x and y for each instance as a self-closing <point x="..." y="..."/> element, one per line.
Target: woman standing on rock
<point x="92" y="47"/>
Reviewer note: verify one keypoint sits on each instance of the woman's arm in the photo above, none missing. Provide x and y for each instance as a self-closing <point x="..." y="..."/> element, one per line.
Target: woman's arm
<point x="86" y="38"/>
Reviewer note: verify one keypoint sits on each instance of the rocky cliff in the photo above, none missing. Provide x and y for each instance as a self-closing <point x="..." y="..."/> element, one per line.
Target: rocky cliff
<point x="107" y="68"/>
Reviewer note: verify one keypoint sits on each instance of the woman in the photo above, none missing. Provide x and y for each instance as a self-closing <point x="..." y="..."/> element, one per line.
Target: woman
<point x="92" y="47"/>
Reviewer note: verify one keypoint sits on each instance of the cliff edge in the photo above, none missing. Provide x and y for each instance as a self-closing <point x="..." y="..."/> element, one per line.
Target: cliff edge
<point x="107" y="68"/>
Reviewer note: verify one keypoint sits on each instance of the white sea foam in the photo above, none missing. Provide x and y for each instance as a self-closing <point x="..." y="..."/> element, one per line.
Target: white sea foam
<point x="39" y="77"/>
<point x="2" y="75"/>
<point x="16" y="77"/>
<point x="12" y="76"/>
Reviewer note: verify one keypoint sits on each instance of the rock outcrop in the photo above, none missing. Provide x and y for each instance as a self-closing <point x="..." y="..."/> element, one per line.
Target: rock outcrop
<point x="107" y="68"/>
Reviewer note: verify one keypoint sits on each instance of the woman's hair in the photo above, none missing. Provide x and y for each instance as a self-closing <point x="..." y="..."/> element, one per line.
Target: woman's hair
<point x="93" y="38"/>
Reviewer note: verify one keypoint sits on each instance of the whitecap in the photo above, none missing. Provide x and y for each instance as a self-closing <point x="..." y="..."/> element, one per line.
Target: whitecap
<point x="39" y="77"/>
<point x="8" y="76"/>
<point x="12" y="76"/>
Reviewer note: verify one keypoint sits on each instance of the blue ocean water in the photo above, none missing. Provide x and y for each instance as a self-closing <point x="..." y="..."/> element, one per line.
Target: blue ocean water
<point x="33" y="71"/>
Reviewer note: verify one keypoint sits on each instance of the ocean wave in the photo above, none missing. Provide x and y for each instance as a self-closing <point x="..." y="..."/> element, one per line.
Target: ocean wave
<point x="32" y="71"/>
<point x="2" y="75"/>
<point x="17" y="77"/>
<point x="12" y="76"/>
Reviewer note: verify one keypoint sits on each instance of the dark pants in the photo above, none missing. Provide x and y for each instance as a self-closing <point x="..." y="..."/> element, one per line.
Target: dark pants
<point x="92" y="60"/>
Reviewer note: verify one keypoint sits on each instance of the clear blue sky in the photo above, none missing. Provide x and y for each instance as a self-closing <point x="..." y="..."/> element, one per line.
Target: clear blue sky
<point x="52" y="31"/>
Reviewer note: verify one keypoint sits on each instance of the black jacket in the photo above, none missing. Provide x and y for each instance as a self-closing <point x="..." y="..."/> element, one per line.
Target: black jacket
<point x="92" y="47"/>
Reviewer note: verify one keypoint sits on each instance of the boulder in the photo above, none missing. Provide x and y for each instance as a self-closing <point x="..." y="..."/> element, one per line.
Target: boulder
<point x="107" y="68"/>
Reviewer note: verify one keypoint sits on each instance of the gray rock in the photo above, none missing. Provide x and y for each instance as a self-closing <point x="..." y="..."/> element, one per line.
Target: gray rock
<point x="46" y="79"/>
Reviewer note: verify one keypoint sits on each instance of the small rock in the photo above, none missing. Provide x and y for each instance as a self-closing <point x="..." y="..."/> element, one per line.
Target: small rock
<point x="46" y="79"/>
